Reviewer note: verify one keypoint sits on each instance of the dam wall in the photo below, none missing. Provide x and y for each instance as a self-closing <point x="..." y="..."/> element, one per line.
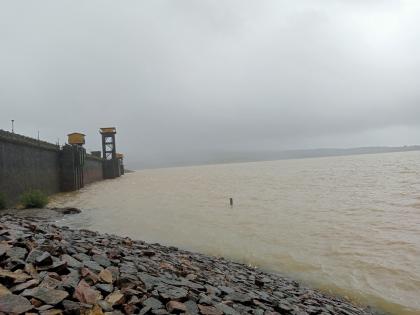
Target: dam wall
<point x="93" y="169"/>
<point x="30" y="164"/>
<point x="26" y="164"/>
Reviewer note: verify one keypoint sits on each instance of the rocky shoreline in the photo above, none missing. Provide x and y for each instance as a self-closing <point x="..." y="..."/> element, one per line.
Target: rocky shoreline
<point x="51" y="270"/>
<point x="46" y="214"/>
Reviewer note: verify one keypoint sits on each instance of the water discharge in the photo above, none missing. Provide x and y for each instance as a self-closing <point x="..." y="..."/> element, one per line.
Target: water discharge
<point x="348" y="225"/>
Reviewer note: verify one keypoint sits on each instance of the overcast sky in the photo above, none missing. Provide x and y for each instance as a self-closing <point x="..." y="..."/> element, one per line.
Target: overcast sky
<point x="179" y="77"/>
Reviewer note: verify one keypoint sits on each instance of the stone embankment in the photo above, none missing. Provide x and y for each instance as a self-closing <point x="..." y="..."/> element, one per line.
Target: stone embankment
<point x="50" y="270"/>
<point x="45" y="214"/>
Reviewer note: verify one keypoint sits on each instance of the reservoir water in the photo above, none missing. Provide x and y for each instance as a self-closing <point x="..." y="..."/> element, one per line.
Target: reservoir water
<point x="347" y="225"/>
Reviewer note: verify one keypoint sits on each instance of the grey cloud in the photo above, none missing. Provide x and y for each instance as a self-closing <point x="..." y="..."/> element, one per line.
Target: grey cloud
<point x="182" y="77"/>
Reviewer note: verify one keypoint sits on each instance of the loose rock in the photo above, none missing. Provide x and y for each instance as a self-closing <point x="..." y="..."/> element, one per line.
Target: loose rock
<point x="63" y="271"/>
<point x="17" y="304"/>
<point x="175" y="306"/>
<point x="48" y="296"/>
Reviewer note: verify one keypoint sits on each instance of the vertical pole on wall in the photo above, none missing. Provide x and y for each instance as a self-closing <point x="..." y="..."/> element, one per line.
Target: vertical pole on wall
<point x="103" y="147"/>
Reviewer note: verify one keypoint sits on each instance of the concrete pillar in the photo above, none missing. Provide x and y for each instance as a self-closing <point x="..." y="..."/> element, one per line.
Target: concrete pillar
<point x="72" y="158"/>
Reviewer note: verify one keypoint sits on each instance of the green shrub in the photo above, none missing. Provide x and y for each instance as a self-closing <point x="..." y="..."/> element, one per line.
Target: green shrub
<point x="34" y="199"/>
<point x="2" y="201"/>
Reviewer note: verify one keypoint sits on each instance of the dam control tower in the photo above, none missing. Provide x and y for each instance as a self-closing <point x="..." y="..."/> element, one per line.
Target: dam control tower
<point x="111" y="163"/>
<point x="109" y="150"/>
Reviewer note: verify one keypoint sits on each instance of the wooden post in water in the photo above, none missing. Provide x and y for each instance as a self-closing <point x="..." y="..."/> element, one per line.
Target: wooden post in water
<point x="231" y="202"/>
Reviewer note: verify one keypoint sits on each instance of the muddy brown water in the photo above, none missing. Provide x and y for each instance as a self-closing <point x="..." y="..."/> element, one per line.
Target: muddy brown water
<point x="348" y="225"/>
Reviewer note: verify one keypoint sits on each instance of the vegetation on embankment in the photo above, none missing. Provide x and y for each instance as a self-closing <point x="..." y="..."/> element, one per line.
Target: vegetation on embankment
<point x="34" y="199"/>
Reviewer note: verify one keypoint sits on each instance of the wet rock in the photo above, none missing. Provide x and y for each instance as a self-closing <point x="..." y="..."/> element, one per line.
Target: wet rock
<point x="89" y="276"/>
<point x="3" y="249"/>
<point x="105" y="288"/>
<point x="172" y="306"/>
<point x="35" y="302"/>
<point x="49" y="296"/>
<point x="212" y="290"/>
<point x="209" y="310"/>
<point x="67" y="210"/>
<point x="227" y="310"/>
<point x="106" y="276"/>
<point x="148" y="253"/>
<point x="148" y="280"/>
<point x="145" y="310"/>
<point x="85" y="294"/>
<point x="284" y="306"/>
<point x="226" y="290"/>
<point x="71" y="262"/>
<point x="205" y="299"/>
<point x="115" y="298"/>
<point x="44" y="308"/>
<point x="191" y="307"/>
<point x="49" y="282"/>
<point x="102" y="260"/>
<point x="53" y="311"/>
<point x="114" y="253"/>
<point x="71" y="307"/>
<point x="25" y="285"/>
<point x="30" y="269"/>
<point x="33" y="255"/>
<point x="17" y="276"/>
<point x="153" y="303"/>
<point x="133" y="300"/>
<point x="92" y="265"/>
<point x="130" y="308"/>
<point x="238" y="297"/>
<point x="14" y="304"/>
<point x="15" y="264"/>
<point x="44" y="259"/>
<point x="80" y="256"/>
<point x="58" y="266"/>
<point x="105" y="306"/>
<point x="16" y="252"/>
<point x="172" y="293"/>
<point x="4" y="290"/>
<point x="70" y="281"/>
<point x="115" y="272"/>
<point x="95" y="310"/>
<point x="128" y="268"/>
<point x="127" y="279"/>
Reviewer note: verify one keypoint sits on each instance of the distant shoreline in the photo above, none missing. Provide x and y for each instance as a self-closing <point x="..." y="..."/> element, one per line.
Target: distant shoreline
<point x="268" y="156"/>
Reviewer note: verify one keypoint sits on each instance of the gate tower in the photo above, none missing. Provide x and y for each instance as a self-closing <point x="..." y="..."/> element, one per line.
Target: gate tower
<point x="109" y="151"/>
<point x="111" y="168"/>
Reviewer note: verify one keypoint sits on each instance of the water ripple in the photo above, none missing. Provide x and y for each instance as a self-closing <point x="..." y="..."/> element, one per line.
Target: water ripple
<point x="348" y="225"/>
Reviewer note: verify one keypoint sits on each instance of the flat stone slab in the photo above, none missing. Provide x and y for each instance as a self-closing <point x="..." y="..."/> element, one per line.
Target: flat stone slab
<point x="48" y="296"/>
<point x="14" y="304"/>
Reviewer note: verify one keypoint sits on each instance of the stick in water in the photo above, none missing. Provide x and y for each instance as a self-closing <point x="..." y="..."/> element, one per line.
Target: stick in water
<point x="231" y="202"/>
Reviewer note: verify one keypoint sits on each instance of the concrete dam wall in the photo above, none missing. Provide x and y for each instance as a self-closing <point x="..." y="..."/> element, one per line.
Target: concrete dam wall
<point x="28" y="164"/>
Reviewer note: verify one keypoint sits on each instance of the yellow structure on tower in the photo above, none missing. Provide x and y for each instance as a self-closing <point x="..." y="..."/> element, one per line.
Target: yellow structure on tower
<point x="76" y="138"/>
